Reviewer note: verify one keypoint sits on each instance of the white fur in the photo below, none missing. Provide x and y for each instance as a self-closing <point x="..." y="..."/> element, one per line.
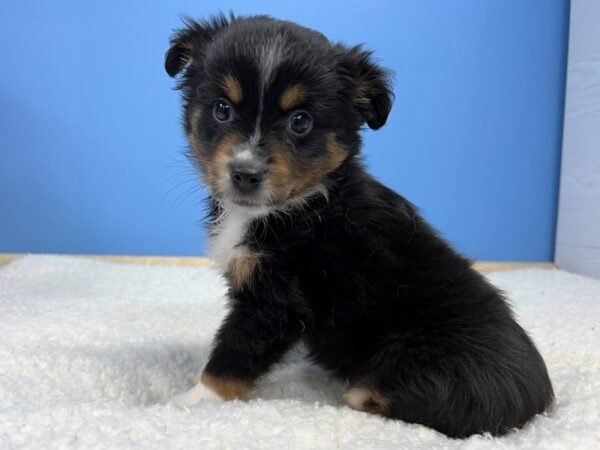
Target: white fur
<point x="230" y="229"/>
<point x="257" y="135"/>
<point x="193" y="396"/>
<point x="228" y="233"/>
<point x="245" y="155"/>
<point x="270" y="56"/>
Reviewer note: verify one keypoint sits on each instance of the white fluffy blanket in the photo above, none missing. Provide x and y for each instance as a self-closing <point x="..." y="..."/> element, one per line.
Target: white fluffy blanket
<point x="90" y="350"/>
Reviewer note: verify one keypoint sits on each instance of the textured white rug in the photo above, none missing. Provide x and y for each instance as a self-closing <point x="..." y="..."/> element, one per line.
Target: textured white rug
<point x="90" y="349"/>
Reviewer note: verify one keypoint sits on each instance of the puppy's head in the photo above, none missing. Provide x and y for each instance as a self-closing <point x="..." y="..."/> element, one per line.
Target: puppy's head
<point x="271" y="109"/>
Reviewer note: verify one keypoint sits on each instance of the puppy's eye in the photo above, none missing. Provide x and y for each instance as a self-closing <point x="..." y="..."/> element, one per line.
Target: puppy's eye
<point x="222" y="110"/>
<point x="300" y="123"/>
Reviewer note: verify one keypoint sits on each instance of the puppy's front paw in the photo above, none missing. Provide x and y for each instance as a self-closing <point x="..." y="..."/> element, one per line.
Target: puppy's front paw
<point x="195" y="395"/>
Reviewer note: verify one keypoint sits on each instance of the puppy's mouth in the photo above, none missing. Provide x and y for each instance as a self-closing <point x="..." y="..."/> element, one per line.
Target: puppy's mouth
<point x="254" y="205"/>
<point x="258" y="201"/>
<point x="253" y="208"/>
<point x="264" y="199"/>
<point x="260" y="207"/>
<point x="247" y="203"/>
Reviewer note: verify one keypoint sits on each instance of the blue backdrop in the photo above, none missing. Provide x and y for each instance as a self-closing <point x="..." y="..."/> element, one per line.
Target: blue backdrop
<point x="91" y="147"/>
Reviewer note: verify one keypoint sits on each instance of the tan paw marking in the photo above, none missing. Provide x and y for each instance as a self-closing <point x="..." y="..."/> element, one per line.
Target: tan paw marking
<point x="367" y="400"/>
<point x="228" y="388"/>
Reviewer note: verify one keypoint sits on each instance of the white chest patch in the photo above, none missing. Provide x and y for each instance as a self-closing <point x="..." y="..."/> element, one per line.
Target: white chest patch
<point x="227" y="235"/>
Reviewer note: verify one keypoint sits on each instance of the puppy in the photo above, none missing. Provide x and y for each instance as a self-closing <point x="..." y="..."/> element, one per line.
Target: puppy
<point x="315" y="250"/>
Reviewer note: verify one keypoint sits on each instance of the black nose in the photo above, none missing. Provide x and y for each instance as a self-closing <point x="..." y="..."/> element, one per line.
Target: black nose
<point x="246" y="179"/>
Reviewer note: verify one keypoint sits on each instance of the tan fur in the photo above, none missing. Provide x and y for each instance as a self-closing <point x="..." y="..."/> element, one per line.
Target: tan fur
<point x="241" y="269"/>
<point x="361" y="93"/>
<point x="290" y="179"/>
<point x="292" y="97"/>
<point x="232" y="89"/>
<point x="215" y="167"/>
<point x="228" y="388"/>
<point x="194" y="118"/>
<point x="368" y="400"/>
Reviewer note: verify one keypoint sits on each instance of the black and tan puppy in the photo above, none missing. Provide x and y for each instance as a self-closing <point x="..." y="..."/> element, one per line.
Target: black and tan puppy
<point x="317" y="251"/>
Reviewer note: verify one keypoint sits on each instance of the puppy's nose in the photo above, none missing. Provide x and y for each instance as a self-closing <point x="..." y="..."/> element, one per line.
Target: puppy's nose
<point x="246" y="179"/>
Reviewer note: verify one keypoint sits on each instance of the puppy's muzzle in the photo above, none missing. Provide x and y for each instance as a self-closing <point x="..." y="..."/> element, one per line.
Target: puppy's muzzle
<point x="246" y="178"/>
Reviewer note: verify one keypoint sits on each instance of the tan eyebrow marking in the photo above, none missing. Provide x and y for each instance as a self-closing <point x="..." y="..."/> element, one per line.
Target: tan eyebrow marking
<point x="232" y="88"/>
<point x="292" y="96"/>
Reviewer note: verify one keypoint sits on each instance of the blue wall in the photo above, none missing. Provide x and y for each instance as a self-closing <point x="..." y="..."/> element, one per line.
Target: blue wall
<point x="90" y="143"/>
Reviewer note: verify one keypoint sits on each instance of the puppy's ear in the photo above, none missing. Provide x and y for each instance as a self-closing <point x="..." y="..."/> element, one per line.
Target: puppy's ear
<point x="188" y="43"/>
<point x="372" y="87"/>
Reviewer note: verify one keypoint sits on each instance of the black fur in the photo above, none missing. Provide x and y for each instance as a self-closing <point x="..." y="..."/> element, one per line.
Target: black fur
<point x="357" y="275"/>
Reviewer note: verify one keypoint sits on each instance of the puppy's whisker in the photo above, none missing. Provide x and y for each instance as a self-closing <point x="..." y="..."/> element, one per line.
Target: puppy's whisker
<point x="179" y="185"/>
